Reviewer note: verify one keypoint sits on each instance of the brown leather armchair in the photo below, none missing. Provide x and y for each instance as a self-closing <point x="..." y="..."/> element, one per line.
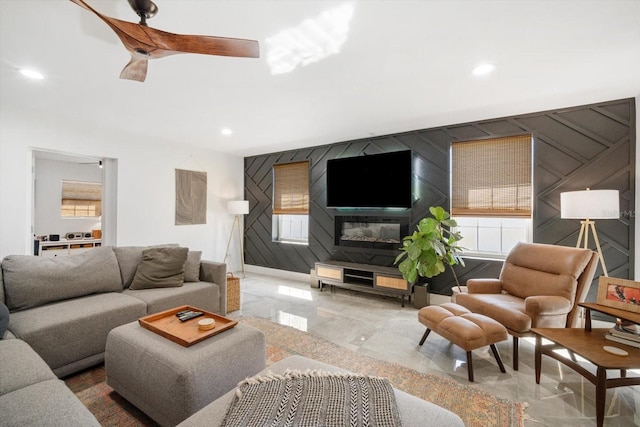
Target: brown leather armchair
<point x="539" y="287"/>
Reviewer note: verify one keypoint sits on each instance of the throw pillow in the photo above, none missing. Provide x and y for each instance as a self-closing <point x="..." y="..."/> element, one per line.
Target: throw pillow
<point x="129" y="257"/>
<point x="192" y="266"/>
<point x="4" y="319"/>
<point x="160" y="268"/>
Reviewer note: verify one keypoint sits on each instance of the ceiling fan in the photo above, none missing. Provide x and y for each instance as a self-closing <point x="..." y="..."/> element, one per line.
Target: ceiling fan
<point x="144" y="42"/>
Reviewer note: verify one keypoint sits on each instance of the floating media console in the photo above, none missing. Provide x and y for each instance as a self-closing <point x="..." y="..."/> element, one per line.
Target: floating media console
<point x="363" y="278"/>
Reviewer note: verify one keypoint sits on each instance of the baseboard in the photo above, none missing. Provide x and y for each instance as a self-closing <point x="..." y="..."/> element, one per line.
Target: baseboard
<point x="283" y="274"/>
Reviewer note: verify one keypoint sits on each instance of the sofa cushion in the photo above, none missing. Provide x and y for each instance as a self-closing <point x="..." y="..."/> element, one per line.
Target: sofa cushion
<point x="553" y="269"/>
<point x="203" y="295"/>
<point x="32" y="281"/>
<point x="63" y="333"/>
<point x="21" y="366"/>
<point x="46" y="403"/>
<point x="160" y="268"/>
<point x="192" y="266"/>
<point x="128" y="259"/>
<point x="506" y="309"/>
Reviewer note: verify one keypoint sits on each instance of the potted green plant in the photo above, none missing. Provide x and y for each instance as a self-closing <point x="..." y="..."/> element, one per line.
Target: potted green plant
<point x="431" y="248"/>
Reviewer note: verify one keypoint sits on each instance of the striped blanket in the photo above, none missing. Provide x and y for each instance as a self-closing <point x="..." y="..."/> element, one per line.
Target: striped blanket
<point x="313" y="398"/>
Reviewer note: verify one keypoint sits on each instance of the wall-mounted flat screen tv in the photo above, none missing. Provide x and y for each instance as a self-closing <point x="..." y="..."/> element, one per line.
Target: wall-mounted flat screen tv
<point x="370" y="181"/>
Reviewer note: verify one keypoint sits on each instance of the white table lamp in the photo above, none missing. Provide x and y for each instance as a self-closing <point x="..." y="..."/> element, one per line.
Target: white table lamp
<point x="588" y="205"/>
<point x="237" y="208"/>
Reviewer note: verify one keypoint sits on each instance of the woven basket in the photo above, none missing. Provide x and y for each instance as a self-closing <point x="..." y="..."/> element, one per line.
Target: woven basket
<point x="233" y="292"/>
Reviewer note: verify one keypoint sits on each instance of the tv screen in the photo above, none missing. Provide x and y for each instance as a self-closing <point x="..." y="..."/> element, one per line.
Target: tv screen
<point x="370" y="181"/>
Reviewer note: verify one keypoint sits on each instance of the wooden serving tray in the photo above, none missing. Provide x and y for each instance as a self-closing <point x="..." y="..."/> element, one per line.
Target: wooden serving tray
<point x="167" y="324"/>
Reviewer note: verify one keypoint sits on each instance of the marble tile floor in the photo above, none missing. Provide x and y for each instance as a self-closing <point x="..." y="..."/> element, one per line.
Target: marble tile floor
<point x="378" y="326"/>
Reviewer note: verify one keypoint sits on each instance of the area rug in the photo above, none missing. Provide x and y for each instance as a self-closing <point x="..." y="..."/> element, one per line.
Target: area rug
<point x="475" y="407"/>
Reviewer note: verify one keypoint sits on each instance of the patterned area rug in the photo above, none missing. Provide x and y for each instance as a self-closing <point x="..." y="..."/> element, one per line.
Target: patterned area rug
<point x="475" y="407"/>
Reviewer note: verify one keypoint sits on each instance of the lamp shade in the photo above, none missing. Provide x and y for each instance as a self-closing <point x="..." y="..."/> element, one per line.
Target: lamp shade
<point x="238" y="207"/>
<point x="591" y="204"/>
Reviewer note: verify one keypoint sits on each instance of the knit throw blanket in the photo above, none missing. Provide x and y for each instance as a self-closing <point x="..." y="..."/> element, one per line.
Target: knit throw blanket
<point x="313" y="398"/>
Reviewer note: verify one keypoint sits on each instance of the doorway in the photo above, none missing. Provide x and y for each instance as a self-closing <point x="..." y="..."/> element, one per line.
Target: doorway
<point x="73" y="196"/>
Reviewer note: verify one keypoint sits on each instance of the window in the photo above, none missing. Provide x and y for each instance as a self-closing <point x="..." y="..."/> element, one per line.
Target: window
<point x="81" y="199"/>
<point x="491" y="193"/>
<point x="291" y="203"/>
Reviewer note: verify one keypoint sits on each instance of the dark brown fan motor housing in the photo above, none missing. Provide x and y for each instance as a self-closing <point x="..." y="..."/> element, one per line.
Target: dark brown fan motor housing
<point x="144" y="42"/>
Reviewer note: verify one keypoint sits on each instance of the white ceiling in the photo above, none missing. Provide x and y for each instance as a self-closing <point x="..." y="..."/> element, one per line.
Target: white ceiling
<point x="405" y="65"/>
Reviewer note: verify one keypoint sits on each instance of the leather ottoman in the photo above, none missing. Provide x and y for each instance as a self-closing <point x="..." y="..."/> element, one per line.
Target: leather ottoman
<point x="169" y="382"/>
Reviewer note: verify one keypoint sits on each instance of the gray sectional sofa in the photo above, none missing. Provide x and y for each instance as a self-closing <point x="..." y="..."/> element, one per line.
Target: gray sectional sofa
<point x="64" y="307"/>
<point x="61" y="310"/>
<point x="32" y="395"/>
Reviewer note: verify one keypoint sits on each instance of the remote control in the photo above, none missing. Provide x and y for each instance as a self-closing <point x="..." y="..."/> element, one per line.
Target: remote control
<point x="191" y="315"/>
<point x="184" y="313"/>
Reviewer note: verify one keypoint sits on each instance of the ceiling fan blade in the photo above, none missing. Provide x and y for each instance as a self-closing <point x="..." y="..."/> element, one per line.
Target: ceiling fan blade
<point x="136" y="69"/>
<point x="206" y="45"/>
<point x="141" y="40"/>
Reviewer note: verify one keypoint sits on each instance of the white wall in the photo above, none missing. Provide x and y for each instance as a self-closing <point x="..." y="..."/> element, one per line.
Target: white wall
<point x="48" y="194"/>
<point x="146" y="184"/>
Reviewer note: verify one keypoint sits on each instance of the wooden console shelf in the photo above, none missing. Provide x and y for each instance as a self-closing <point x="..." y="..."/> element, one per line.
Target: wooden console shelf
<point x="363" y="278"/>
<point x="65" y="247"/>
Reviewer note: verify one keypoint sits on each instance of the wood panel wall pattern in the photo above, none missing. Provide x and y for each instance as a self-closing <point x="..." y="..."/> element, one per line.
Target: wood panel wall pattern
<point x="574" y="148"/>
<point x="191" y="197"/>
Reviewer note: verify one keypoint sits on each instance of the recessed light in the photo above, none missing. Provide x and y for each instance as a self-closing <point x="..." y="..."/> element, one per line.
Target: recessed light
<point x="32" y="74"/>
<point x="226" y="131"/>
<point x="483" y="69"/>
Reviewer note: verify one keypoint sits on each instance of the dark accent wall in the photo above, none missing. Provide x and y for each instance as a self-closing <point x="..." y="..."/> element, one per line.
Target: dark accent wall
<point x="574" y="148"/>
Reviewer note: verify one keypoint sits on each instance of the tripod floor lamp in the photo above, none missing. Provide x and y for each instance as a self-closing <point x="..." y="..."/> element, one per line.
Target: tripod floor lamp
<point x="588" y="205"/>
<point x="237" y="208"/>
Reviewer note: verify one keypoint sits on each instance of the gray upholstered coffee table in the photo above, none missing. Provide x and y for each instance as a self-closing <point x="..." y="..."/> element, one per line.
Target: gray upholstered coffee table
<point x="169" y="382"/>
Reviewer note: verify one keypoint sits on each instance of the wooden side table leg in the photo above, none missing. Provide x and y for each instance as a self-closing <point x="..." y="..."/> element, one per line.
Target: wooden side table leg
<point x="601" y="395"/>
<point x="538" y="357"/>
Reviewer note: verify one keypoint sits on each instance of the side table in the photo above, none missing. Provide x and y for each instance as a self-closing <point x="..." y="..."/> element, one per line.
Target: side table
<point x="588" y="343"/>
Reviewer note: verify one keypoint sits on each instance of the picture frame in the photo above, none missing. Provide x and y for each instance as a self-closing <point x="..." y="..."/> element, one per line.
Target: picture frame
<point x="619" y="293"/>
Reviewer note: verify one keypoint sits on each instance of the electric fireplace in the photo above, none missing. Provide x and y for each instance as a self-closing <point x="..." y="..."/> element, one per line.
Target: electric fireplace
<point x="370" y="232"/>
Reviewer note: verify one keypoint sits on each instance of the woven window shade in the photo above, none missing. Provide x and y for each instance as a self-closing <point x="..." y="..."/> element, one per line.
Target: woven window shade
<point x="291" y="188"/>
<point x="492" y="177"/>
